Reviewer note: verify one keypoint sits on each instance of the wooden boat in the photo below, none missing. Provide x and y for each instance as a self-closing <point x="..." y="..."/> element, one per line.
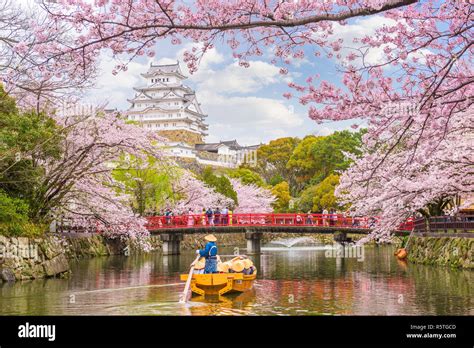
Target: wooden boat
<point x="220" y="283"/>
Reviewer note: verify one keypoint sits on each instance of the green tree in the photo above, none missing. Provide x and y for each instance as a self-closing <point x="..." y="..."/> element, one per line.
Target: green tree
<point x="302" y="161"/>
<point x="276" y="179"/>
<point x="315" y="158"/>
<point x="273" y="157"/>
<point x="305" y="200"/>
<point x="27" y="141"/>
<point x="147" y="181"/>
<point x="246" y="176"/>
<point x="328" y="153"/>
<point x="282" y="193"/>
<point x="220" y="184"/>
<point x="12" y="210"/>
<point x="324" y="194"/>
<point x="14" y="220"/>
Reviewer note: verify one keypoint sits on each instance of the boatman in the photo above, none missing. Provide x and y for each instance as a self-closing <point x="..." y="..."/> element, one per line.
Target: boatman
<point x="210" y="253"/>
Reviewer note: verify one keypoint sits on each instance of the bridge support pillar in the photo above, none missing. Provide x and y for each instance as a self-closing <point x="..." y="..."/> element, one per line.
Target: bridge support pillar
<point x="254" y="242"/>
<point x="341" y="237"/>
<point x="171" y="242"/>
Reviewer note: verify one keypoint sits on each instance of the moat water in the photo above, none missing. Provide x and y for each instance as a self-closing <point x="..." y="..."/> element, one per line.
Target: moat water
<point x="296" y="280"/>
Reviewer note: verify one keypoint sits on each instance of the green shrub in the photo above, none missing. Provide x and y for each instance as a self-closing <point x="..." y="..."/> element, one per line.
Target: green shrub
<point x="14" y="220"/>
<point x="12" y="209"/>
<point x="26" y="229"/>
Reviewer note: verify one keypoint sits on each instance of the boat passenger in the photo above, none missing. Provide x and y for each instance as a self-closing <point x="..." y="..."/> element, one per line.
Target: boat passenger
<point x="236" y="267"/>
<point x="210" y="253"/>
<point x="223" y="267"/>
<point x="248" y="266"/>
<point x="199" y="266"/>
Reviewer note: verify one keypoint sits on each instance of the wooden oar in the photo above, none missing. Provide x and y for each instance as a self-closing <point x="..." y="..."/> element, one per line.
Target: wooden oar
<point x="184" y="296"/>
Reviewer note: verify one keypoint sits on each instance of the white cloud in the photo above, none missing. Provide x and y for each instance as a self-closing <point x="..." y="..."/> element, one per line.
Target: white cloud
<point x="231" y="78"/>
<point x="116" y="89"/>
<point x="165" y="60"/>
<point x="251" y="110"/>
<point x="236" y="79"/>
<point x="250" y="119"/>
<point x="358" y="29"/>
<point x="211" y="57"/>
<point x="367" y="27"/>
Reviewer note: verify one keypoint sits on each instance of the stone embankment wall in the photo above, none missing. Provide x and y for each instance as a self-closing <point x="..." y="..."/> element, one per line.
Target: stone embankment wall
<point x="443" y="251"/>
<point x="26" y="258"/>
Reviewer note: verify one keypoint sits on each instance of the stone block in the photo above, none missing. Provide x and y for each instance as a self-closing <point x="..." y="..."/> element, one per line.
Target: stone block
<point x="50" y="248"/>
<point x="55" y="266"/>
<point x="33" y="272"/>
<point x="4" y="240"/>
<point x="7" y="275"/>
<point x="23" y="241"/>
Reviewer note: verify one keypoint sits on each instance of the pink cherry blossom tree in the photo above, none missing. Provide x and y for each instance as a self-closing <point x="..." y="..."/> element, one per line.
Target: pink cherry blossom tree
<point x="25" y="72"/>
<point x="133" y="27"/>
<point x="78" y="186"/>
<point x="95" y="207"/>
<point x="401" y="186"/>
<point x="193" y="194"/>
<point x="416" y="100"/>
<point x="252" y="198"/>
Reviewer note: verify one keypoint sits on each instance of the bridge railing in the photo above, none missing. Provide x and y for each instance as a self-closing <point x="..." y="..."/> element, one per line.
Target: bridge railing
<point x="445" y="224"/>
<point x="255" y="219"/>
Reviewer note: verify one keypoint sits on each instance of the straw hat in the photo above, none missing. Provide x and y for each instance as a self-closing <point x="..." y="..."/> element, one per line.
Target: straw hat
<point x="210" y="238"/>
<point x="200" y="264"/>
<point x="228" y="264"/>
<point x="236" y="258"/>
<point x="237" y="266"/>
<point x="247" y="263"/>
<point x="223" y="267"/>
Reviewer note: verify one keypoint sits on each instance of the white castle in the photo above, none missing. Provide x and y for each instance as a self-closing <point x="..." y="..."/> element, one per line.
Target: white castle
<point x="171" y="108"/>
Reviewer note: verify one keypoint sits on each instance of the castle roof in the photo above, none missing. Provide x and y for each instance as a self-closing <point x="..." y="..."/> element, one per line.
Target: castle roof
<point x="232" y="144"/>
<point x="167" y="69"/>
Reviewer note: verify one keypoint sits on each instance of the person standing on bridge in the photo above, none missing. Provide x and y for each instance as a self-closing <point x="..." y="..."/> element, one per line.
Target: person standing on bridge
<point x="210" y="253"/>
<point x="210" y="217"/>
<point x="217" y="216"/>
<point x="325" y="217"/>
<point x="224" y="216"/>
<point x="190" y="217"/>
<point x="203" y="217"/>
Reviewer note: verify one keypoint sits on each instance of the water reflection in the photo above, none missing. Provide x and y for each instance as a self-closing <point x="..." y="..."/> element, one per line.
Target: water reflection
<point x="291" y="281"/>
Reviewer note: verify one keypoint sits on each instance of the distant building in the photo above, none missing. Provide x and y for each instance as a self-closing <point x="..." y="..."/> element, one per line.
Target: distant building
<point x="229" y="152"/>
<point x="171" y="108"/>
<point x="166" y="105"/>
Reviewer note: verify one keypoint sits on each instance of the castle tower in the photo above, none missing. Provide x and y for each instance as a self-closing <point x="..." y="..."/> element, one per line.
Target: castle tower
<point x="168" y="106"/>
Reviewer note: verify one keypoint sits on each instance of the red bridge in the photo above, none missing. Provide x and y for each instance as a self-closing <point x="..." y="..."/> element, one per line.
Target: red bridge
<point x="172" y="228"/>
<point x="314" y="221"/>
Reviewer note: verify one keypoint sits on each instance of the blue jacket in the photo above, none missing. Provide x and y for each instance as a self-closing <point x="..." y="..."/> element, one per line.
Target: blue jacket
<point x="209" y="250"/>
